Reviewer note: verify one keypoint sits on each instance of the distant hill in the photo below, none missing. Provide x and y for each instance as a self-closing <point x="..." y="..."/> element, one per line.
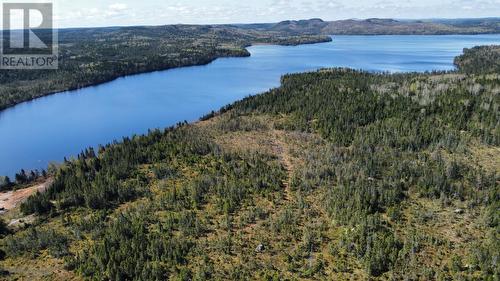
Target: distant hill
<point x="301" y="26"/>
<point x="376" y="26"/>
<point x="390" y="26"/>
<point x="468" y="22"/>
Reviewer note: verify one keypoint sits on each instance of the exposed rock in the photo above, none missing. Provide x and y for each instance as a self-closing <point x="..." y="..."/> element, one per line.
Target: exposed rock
<point x="260" y="248"/>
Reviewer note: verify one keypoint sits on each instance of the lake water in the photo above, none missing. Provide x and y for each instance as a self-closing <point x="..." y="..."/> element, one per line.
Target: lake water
<point x="50" y="128"/>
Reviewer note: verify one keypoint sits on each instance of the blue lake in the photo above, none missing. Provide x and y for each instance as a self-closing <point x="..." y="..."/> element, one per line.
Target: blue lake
<point x="50" y="128"/>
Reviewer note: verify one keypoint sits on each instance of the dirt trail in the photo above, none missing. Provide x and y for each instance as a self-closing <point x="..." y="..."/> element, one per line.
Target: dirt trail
<point x="281" y="150"/>
<point x="11" y="199"/>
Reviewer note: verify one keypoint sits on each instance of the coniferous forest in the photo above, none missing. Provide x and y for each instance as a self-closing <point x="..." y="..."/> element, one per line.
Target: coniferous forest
<point x="336" y="175"/>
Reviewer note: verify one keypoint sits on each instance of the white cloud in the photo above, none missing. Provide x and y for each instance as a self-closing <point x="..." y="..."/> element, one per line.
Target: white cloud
<point x="118" y="7"/>
<point x="157" y="12"/>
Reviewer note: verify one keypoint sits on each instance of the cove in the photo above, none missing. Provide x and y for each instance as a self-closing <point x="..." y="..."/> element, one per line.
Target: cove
<point x="34" y="133"/>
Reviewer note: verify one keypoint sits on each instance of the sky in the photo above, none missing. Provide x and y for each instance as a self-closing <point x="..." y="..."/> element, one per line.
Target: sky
<point x="88" y="13"/>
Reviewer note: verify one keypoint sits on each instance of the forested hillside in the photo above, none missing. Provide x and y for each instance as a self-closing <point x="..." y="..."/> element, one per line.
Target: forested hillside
<point x="336" y="175"/>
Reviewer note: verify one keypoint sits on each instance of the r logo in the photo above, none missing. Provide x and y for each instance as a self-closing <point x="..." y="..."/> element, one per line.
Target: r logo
<point x="29" y="40"/>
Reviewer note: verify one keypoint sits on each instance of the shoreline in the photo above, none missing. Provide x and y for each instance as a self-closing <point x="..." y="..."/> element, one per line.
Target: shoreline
<point x="321" y="39"/>
<point x="240" y="53"/>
